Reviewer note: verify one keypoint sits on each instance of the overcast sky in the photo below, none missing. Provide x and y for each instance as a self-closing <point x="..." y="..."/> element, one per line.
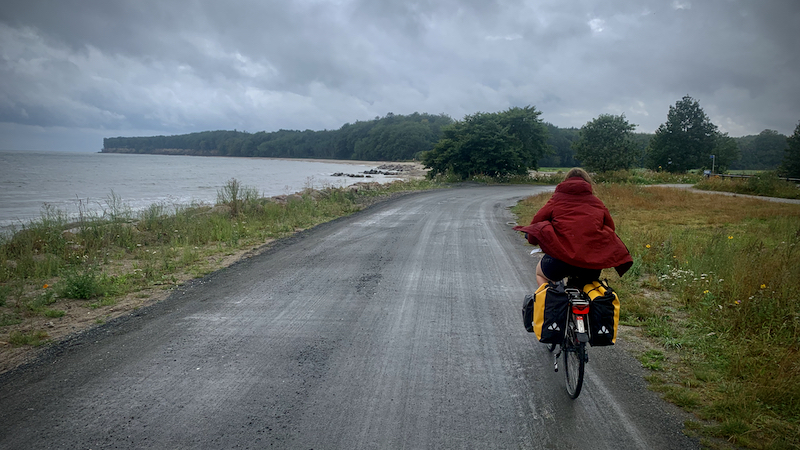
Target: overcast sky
<point x="73" y="72"/>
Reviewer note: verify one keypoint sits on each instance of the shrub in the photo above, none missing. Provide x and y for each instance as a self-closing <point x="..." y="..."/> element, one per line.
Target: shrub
<point x="32" y="338"/>
<point x="83" y="284"/>
<point x="236" y="196"/>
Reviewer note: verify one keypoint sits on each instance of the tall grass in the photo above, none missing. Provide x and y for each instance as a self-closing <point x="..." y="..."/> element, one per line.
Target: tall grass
<point x="715" y="281"/>
<point x="235" y="195"/>
<point x="766" y="184"/>
<point x="644" y="176"/>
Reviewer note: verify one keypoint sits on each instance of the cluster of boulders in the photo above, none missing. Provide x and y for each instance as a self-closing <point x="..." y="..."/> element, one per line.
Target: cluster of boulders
<point x="351" y="175"/>
<point x="284" y="199"/>
<point x="379" y="172"/>
<point x="384" y="169"/>
<point x="316" y="194"/>
<point x="365" y="174"/>
<point x="394" y="167"/>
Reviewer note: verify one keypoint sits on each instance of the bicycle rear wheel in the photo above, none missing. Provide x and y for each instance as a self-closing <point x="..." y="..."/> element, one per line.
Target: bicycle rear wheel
<point x="574" y="361"/>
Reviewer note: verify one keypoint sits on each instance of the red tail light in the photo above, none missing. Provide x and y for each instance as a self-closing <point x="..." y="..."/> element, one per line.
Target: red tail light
<point x="580" y="309"/>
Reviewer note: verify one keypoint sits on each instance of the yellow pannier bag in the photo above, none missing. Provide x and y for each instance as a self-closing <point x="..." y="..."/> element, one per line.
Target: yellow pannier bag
<point x="603" y="313"/>
<point x="547" y="316"/>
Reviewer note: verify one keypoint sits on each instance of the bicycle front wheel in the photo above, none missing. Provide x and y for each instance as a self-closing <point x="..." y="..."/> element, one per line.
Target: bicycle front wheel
<point x="574" y="361"/>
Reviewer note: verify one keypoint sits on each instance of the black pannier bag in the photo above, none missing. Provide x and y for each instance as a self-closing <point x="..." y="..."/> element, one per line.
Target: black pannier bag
<point x="546" y="313"/>
<point x="603" y="314"/>
<point x="527" y="312"/>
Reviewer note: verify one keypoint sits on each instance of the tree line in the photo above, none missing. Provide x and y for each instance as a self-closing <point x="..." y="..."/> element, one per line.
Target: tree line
<point x="507" y="142"/>
<point x="688" y="140"/>
<point x="391" y="138"/>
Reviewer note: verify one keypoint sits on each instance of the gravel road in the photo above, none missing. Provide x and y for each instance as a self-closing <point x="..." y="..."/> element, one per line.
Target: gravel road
<point x="396" y="327"/>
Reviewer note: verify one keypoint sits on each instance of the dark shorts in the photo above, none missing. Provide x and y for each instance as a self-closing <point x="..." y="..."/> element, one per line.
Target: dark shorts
<point x="555" y="270"/>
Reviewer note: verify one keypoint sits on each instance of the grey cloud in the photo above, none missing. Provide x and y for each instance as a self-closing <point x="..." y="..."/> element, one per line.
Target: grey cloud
<point x="181" y="66"/>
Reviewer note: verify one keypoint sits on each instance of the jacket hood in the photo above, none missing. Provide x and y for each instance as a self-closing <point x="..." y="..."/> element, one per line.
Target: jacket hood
<point x="574" y="186"/>
<point x="575" y="227"/>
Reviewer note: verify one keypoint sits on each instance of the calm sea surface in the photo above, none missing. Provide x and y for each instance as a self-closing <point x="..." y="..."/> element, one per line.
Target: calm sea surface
<point x="69" y="181"/>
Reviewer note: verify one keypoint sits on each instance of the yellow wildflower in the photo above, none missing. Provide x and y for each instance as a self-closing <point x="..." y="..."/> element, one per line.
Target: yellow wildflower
<point x="763" y="286"/>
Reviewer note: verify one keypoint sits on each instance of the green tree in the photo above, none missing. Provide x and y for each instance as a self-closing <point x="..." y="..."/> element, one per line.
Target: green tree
<point x="768" y="149"/>
<point x="685" y="140"/>
<point x="559" y="142"/>
<point x="791" y="158"/>
<point x="726" y="152"/>
<point x="606" y="144"/>
<point x="493" y="144"/>
<point x="528" y="131"/>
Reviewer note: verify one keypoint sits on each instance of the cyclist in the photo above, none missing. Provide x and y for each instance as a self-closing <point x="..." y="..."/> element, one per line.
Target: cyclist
<point x="576" y="234"/>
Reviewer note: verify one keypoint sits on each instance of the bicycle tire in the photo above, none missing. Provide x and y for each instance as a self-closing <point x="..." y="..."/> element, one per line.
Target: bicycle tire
<point x="574" y="364"/>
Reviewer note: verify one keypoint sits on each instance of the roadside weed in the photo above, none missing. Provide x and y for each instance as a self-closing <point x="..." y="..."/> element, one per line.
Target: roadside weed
<point x="32" y="338"/>
<point x="652" y="359"/>
<point x="84" y="283"/>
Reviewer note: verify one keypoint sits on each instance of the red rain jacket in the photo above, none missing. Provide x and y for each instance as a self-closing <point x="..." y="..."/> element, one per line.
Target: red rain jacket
<point x="575" y="227"/>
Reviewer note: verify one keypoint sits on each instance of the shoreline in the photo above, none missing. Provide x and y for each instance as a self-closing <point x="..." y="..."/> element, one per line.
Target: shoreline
<point x="149" y="182"/>
<point x="321" y="160"/>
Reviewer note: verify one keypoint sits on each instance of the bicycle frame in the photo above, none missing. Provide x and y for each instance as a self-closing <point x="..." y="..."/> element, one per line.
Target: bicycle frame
<point x="574" y="344"/>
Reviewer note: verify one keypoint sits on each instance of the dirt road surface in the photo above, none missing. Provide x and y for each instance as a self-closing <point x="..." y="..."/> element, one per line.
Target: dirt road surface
<point x="397" y="327"/>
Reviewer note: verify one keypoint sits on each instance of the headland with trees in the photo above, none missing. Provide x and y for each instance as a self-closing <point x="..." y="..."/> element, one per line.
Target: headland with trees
<point x="503" y="143"/>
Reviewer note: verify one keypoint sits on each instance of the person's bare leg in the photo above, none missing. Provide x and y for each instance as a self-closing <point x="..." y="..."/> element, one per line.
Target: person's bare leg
<point x="540" y="278"/>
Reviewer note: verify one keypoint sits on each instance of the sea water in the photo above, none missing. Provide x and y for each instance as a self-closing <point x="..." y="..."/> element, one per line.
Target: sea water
<point x="76" y="183"/>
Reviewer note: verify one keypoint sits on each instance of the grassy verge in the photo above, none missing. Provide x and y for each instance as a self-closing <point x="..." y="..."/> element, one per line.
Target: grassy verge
<point x="58" y="276"/>
<point x="765" y="184"/>
<point x="714" y="286"/>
